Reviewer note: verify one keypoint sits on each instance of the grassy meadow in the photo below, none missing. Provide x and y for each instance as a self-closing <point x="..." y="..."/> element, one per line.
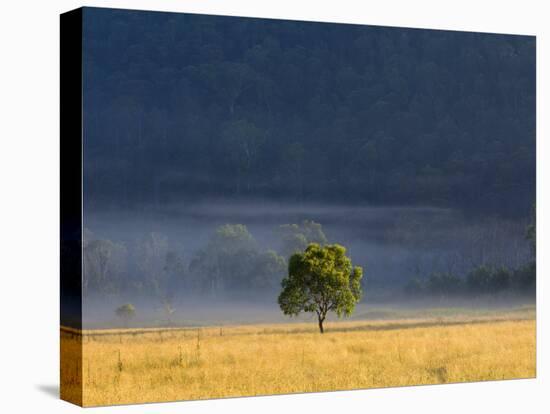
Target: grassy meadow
<point x="165" y="364"/>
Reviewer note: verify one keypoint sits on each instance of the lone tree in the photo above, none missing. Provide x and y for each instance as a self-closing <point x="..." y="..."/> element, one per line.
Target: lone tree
<point x="126" y="312"/>
<point x="320" y="280"/>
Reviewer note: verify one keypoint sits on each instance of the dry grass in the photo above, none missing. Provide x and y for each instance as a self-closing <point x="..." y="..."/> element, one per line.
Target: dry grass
<point x="134" y="366"/>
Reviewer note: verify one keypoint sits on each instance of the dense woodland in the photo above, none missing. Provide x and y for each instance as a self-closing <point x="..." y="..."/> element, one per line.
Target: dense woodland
<point x="181" y="107"/>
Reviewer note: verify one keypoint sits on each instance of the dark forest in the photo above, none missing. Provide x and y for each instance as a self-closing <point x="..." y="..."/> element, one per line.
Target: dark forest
<point x="186" y="107"/>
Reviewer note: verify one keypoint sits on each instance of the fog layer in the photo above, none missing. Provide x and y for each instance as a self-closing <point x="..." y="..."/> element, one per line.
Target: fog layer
<point x="392" y="244"/>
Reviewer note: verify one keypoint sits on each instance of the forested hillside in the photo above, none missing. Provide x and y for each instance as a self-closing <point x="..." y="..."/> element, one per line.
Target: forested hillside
<point x="185" y="107"/>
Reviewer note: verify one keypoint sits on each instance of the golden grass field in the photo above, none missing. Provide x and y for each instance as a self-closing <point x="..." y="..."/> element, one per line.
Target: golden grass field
<point x="146" y="365"/>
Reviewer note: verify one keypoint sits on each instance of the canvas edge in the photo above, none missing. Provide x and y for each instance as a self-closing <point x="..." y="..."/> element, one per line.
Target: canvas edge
<point x="70" y="110"/>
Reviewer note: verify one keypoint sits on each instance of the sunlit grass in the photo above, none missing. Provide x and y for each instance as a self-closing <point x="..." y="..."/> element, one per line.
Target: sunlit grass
<point x="133" y="366"/>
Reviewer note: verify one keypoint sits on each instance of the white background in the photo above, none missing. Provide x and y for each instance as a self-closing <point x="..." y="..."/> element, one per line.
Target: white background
<point x="29" y="207"/>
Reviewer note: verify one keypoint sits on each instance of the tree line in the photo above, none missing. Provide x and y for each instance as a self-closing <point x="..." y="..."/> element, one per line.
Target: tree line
<point x="483" y="279"/>
<point x="231" y="262"/>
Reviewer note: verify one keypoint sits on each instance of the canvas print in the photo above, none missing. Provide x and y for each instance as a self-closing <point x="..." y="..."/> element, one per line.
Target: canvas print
<point x="258" y="206"/>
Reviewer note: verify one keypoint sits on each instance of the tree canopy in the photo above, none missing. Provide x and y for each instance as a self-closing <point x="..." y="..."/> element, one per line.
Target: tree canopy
<point x="296" y="237"/>
<point x="322" y="279"/>
<point x="232" y="260"/>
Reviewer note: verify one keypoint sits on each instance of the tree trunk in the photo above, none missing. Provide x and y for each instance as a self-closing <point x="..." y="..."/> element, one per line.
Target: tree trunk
<point x="321" y="329"/>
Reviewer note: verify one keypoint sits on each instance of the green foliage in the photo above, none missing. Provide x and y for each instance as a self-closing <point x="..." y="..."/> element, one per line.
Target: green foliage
<point x="267" y="270"/>
<point x="481" y="280"/>
<point x="486" y="279"/>
<point x="321" y="279"/>
<point x="296" y="237"/>
<point x="233" y="237"/>
<point x="233" y="259"/>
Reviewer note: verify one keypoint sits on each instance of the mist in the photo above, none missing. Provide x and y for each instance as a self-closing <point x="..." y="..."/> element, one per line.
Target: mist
<point x="393" y="245"/>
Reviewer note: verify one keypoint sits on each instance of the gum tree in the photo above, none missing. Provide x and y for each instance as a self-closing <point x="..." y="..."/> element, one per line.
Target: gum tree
<point x="322" y="279"/>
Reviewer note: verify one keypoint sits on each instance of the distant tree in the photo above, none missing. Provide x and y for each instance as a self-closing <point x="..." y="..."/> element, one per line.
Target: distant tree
<point x="444" y="284"/>
<point x="104" y="266"/>
<point x="126" y="312"/>
<point x="500" y="279"/>
<point x="235" y="234"/>
<point x="151" y="252"/>
<point x="296" y="237"/>
<point x="523" y="278"/>
<point x="267" y="270"/>
<point x="223" y="257"/>
<point x="177" y="275"/>
<point x="233" y="261"/>
<point x="321" y="279"/>
<point x="479" y="279"/>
